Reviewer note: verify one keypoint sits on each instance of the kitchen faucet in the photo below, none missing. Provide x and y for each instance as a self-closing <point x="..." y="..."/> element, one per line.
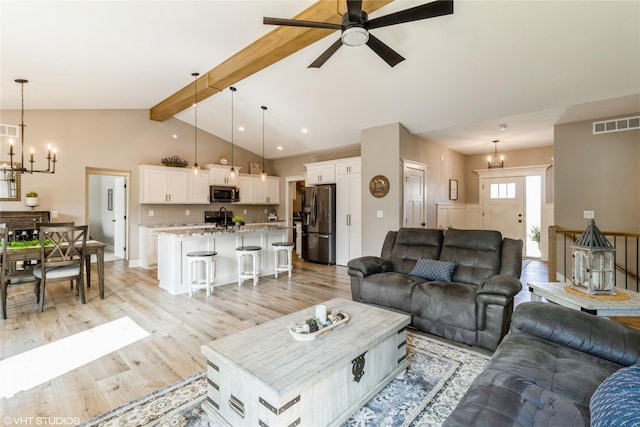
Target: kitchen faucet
<point x="225" y="216"/>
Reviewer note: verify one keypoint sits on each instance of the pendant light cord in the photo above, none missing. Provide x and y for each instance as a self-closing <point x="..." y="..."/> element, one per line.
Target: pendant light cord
<point x="263" y="175"/>
<point x="195" y="106"/>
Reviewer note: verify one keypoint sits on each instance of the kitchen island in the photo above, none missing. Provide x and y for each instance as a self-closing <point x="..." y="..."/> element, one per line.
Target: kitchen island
<point x="174" y="245"/>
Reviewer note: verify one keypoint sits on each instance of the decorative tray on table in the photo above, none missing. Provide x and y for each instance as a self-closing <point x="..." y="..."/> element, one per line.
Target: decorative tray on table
<point x="312" y="328"/>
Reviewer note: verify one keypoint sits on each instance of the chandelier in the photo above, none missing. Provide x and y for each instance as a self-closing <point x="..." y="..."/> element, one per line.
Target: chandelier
<point x="19" y="167"/>
<point x="495" y="160"/>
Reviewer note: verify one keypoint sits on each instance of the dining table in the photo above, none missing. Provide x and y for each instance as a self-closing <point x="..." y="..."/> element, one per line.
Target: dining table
<point x="92" y="247"/>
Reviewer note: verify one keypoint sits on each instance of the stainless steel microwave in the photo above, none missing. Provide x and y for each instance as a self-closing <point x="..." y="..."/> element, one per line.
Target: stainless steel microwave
<point x="224" y="194"/>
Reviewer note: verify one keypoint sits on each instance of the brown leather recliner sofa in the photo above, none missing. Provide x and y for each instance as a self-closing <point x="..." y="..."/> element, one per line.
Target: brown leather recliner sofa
<point x="472" y="306"/>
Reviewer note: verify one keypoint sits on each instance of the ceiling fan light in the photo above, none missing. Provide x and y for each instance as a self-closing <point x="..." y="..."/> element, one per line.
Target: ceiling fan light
<point x="355" y="36"/>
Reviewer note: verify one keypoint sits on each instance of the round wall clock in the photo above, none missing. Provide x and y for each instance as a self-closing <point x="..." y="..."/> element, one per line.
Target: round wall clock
<point x="379" y="186"/>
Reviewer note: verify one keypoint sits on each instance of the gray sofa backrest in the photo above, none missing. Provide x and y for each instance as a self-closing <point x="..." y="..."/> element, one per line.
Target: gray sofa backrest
<point x="403" y="247"/>
<point x="477" y="252"/>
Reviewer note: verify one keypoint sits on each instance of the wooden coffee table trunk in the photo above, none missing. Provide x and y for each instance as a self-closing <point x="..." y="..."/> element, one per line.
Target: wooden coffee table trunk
<point x="263" y="377"/>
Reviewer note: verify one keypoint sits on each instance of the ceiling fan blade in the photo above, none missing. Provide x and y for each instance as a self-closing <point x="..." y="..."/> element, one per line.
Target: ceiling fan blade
<point x="354" y="8"/>
<point x="298" y="23"/>
<point x="424" y="11"/>
<point x="389" y="55"/>
<point x="326" y="54"/>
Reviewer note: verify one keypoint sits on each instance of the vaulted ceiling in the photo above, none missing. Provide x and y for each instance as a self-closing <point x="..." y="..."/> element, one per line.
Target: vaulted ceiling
<point x="529" y="64"/>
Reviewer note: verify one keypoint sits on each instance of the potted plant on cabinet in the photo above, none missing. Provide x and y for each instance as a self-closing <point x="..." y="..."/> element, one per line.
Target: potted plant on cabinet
<point x="31" y="199"/>
<point x="238" y="220"/>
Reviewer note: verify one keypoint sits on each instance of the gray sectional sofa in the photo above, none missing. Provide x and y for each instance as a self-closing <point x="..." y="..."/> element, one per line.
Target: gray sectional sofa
<point x="549" y="371"/>
<point x="471" y="302"/>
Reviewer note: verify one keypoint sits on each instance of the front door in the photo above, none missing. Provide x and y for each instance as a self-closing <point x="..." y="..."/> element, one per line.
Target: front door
<point x="504" y="208"/>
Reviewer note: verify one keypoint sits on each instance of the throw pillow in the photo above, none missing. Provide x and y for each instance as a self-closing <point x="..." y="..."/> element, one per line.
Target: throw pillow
<point x="432" y="269"/>
<point x="616" y="401"/>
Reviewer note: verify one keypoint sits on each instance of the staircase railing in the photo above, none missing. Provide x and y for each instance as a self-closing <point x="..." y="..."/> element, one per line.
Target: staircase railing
<point x="627" y="260"/>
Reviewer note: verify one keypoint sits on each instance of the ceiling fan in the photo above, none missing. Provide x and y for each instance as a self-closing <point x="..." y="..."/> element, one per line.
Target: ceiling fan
<point x="356" y="25"/>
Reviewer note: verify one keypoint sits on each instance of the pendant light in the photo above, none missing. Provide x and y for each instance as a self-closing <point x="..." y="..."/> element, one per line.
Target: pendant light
<point x="263" y="174"/>
<point x="20" y="167"/>
<point x="196" y="168"/>
<point x="495" y="161"/>
<point x="232" y="171"/>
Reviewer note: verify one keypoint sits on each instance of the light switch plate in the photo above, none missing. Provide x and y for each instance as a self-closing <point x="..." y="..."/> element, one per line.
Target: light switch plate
<point x="379" y="214"/>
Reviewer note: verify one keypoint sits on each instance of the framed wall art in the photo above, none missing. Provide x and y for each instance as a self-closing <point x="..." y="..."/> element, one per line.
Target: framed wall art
<point x="379" y="186"/>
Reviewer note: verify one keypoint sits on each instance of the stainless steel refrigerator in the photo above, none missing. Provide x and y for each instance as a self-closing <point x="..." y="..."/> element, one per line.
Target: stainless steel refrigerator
<point x="319" y="224"/>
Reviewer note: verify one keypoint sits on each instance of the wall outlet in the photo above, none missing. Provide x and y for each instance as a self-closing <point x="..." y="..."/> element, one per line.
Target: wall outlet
<point x="266" y="211"/>
<point x="54" y="214"/>
<point x="379" y="214"/>
<point x="244" y="212"/>
<point x="588" y="214"/>
<point x="150" y="212"/>
<point x="187" y="212"/>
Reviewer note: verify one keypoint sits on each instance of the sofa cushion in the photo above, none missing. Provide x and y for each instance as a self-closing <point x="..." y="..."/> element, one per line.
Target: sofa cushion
<point x="389" y="289"/>
<point x="412" y="244"/>
<point x="616" y="401"/>
<point x="477" y="252"/>
<point x="500" y="399"/>
<point x="444" y="305"/>
<point x="432" y="269"/>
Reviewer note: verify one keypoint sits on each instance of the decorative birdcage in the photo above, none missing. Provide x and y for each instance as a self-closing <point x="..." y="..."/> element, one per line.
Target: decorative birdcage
<point x="593" y="263"/>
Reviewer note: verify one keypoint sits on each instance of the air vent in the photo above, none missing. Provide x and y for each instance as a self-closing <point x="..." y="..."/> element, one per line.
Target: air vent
<point x="616" y="125"/>
<point x="10" y="131"/>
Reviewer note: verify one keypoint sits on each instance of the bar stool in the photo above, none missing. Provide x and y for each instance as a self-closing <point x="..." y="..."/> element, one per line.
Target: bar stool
<point x="207" y="258"/>
<point x="282" y="246"/>
<point x="254" y="252"/>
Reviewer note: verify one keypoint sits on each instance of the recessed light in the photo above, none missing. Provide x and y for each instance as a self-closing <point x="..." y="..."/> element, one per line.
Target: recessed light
<point x="279" y="147"/>
<point x="305" y="130"/>
<point x="502" y="126"/>
<point x="174" y="136"/>
<point x="241" y="128"/>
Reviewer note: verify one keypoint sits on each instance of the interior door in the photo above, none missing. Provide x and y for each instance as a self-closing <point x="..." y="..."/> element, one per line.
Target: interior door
<point x="119" y="214"/>
<point x="414" y="197"/>
<point x="504" y="206"/>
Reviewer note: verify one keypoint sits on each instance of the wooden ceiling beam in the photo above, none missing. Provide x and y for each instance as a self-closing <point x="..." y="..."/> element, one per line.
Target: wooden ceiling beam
<point x="267" y="50"/>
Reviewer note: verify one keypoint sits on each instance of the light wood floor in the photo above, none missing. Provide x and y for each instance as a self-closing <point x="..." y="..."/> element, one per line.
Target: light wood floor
<point x="178" y="327"/>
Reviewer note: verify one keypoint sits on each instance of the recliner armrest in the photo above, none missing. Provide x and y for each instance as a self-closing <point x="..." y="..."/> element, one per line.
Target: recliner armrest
<point x="591" y="334"/>
<point x="367" y="265"/>
<point x="501" y="284"/>
<point x="496" y="290"/>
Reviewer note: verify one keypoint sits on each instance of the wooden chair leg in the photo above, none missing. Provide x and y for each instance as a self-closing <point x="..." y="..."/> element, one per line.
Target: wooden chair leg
<point x="80" y="284"/>
<point x="41" y="303"/>
<point x="3" y="295"/>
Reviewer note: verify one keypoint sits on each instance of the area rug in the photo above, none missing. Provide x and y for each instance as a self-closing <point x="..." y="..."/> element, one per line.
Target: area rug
<point x="438" y="376"/>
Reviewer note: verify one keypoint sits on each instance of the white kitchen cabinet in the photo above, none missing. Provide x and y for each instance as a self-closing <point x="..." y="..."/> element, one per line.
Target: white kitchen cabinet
<point x="161" y="184"/>
<point x="254" y="191"/>
<point x="219" y="175"/>
<point x="246" y="184"/>
<point x="199" y="188"/>
<point x="348" y="211"/>
<point x="267" y="192"/>
<point x="320" y="173"/>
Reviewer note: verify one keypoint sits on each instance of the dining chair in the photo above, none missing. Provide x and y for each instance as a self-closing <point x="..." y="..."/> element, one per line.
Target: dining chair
<point x="10" y="274"/>
<point x="62" y="254"/>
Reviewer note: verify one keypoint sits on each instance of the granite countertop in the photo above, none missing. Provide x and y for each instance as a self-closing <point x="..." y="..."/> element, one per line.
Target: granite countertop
<point x="184" y="232"/>
<point x="210" y="226"/>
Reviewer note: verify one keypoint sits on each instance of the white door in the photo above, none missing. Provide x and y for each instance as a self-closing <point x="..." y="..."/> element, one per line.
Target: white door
<point x="414" y="197"/>
<point x="504" y="209"/>
<point x="120" y="219"/>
